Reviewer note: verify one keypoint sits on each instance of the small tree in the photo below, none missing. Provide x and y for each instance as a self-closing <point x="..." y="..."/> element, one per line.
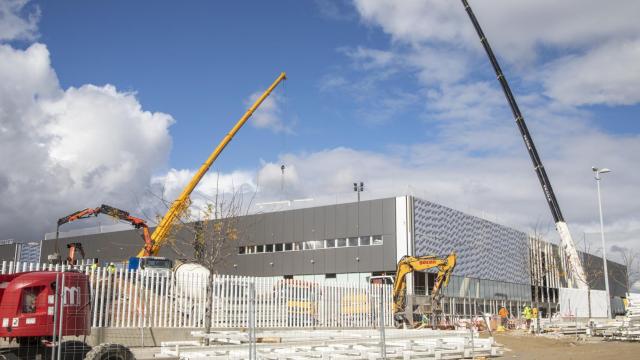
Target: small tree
<point x="631" y="260"/>
<point x="206" y="237"/>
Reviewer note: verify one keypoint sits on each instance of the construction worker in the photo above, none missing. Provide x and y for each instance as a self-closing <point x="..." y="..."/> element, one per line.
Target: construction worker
<point x="534" y="316"/>
<point x="111" y="268"/>
<point x="527" y="313"/>
<point x="504" y="314"/>
<point x="94" y="266"/>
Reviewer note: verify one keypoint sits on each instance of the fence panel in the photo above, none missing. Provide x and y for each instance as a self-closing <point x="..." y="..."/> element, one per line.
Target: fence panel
<point x="138" y="298"/>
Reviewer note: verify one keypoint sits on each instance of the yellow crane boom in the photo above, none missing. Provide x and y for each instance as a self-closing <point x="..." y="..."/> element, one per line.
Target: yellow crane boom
<point x="177" y="208"/>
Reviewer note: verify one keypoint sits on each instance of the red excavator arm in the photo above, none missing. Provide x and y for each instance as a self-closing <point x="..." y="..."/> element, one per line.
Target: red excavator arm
<point x="113" y="212"/>
<point x="74" y="248"/>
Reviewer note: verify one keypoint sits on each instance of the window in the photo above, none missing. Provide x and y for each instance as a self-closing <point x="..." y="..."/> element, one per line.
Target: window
<point x="330" y="276"/>
<point x="376" y="240"/>
<point x="279" y="247"/>
<point x="342" y="242"/>
<point x="259" y="248"/>
<point x="297" y="246"/>
<point x="288" y="277"/>
<point x="365" y="240"/>
<point x="331" y="243"/>
<point x="318" y="244"/>
<point x="352" y="241"/>
<point x="241" y="250"/>
<point x="268" y="248"/>
<point x="29" y="296"/>
<point x="309" y="245"/>
<point x="288" y="246"/>
<point x="251" y="249"/>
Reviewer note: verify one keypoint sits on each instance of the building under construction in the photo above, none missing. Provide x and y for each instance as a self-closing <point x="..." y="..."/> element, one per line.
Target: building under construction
<point x="351" y="242"/>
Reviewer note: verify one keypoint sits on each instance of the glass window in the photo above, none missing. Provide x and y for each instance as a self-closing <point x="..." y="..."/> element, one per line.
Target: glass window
<point x="259" y="248"/>
<point x="29" y="296"/>
<point x="309" y="245"/>
<point x="268" y="248"/>
<point x="319" y="244"/>
<point x="241" y="250"/>
<point x="376" y="240"/>
<point x="251" y="249"/>
<point x="352" y="241"/>
<point x="288" y="246"/>
<point x="365" y="240"/>
<point x="297" y="246"/>
<point x="342" y="242"/>
<point x="330" y="276"/>
<point x="330" y="243"/>
<point x="278" y="247"/>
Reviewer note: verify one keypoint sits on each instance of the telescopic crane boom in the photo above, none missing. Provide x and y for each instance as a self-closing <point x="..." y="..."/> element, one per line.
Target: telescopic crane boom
<point x="177" y="208"/>
<point x="576" y="276"/>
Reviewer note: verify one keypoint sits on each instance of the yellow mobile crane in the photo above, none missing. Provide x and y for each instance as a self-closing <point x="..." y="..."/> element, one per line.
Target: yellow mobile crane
<point x="177" y="208"/>
<point x="401" y="312"/>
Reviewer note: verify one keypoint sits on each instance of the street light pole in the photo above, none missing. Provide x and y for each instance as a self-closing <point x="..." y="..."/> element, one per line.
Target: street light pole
<point x="604" y="249"/>
<point x="358" y="188"/>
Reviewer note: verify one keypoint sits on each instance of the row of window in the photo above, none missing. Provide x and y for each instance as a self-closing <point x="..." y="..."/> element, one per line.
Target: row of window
<point x="313" y="244"/>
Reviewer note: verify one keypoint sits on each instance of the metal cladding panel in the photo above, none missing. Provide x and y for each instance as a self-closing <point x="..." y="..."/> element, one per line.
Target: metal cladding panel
<point x="388" y="218"/>
<point x="287" y="231"/>
<point x="330" y="222"/>
<point x="364" y="218"/>
<point x="485" y="250"/>
<point x="298" y="225"/>
<point x="341" y="221"/>
<point x="8" y="252"/>
<point x="352" y="219"/>
<point x="376" y="218"/>
<point x="319" y="224"/>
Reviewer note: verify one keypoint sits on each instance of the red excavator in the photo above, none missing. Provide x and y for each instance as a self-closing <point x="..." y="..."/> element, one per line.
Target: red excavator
<point x="89" y="212"/>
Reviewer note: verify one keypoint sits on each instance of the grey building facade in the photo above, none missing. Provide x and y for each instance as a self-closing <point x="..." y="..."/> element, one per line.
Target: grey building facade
<point x="349" y="242"/>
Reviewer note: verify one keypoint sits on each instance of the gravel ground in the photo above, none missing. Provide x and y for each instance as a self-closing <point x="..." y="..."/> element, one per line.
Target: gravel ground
<point x="528" y="347"/>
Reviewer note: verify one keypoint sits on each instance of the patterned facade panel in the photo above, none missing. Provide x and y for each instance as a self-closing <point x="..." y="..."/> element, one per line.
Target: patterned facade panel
<point x="485" y="250"/>
<point x="30" y="252"/>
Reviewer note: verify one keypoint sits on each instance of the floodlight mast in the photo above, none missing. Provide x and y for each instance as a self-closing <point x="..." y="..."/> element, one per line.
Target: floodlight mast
<point x="576" y="274"/>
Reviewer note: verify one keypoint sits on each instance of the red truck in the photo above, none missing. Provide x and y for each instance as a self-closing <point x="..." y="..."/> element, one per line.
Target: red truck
<point x="38" y="308"/>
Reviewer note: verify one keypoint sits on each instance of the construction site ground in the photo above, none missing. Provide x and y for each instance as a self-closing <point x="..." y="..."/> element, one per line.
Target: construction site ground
<point x="519" y="345"/>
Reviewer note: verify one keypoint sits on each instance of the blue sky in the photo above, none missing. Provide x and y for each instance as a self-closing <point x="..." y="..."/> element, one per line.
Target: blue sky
<point x="117" y="101"/>
<point x="199" y="63"/>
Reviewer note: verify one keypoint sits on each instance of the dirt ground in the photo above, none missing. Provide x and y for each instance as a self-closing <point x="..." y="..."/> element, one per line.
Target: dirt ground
<point x="519" y="345"/>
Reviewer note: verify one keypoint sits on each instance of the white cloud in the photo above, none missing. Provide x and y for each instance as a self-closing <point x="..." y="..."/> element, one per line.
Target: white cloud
<point x="17" y="22"/>
<point x="501" y="187"/>
<point x="599" y="41"/>
<point x="269" y="113"/>
<point x="609" y="74"/>
<point x="64" y="150"/>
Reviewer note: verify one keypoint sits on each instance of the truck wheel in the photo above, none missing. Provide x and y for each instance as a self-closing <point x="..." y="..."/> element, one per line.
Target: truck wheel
<point x="73" y="350"/>
<point x="28" y="342"/>
<point x="110" y="352"/>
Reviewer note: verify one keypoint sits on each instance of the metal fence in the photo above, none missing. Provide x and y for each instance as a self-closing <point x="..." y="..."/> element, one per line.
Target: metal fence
<point x="138" y="298"/>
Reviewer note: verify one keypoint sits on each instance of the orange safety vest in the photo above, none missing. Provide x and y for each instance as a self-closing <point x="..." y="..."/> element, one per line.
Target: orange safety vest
<point x="503" y="312"/>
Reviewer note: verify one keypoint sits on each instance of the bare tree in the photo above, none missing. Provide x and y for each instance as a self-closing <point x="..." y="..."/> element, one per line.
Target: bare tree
<point x="631" y="260"/>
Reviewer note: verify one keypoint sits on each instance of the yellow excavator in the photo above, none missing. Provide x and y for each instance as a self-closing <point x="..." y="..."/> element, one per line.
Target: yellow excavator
<point x="403" y="313"/>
